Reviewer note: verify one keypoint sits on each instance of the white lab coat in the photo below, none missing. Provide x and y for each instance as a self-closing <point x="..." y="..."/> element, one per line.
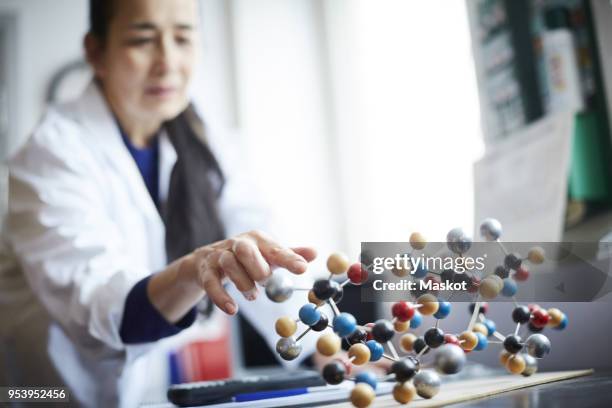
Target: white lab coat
<point x="84" y="230"/>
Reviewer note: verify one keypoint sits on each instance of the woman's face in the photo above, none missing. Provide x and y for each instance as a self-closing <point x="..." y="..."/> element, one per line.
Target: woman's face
<point x="147" y="60"/>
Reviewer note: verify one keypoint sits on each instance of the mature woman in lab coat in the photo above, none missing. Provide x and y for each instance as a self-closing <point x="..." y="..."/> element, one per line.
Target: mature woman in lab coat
<point x="121" y="205"/>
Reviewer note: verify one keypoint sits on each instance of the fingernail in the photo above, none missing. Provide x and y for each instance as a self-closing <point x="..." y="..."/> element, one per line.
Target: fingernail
<point x="263" y="282"/>
<point x="300" y="263"/>
<point x="230" y="308"/>
<point x="250" y="294"/>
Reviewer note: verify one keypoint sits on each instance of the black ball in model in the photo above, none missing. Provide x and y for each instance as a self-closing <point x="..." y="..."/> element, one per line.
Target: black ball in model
<point x="325" y="289"/>
<point x="345" y="344"/>
<point x="483" y="307"/>
<point x="358" y="336"/>
<point x="462" y="277"/>
<point x="419" y="344"/>
<point x="447" y="276"/>
<point x="513" y="344"/>
<point x="512" y="261"/>
<point x="502" y="272"/>
<point x="404" y="370"/>
<point x="322" y="324"/>
<point x="334" y="372"/>
<point x="521" y="314"/>
<point x="383" y="331"/>
<point x="434" y="337"/>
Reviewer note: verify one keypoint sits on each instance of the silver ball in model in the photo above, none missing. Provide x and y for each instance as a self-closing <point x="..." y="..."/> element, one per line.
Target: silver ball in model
<point x="279" y="287"/>
<point x="427" y="384"/>
<point x="531" y="365"/>
<point x="537" y="345"/>
<point x="458" y="241"/>
<point x="490" y="229"/>
<point x="288" y="348"/>
<point x="449" y="359"/>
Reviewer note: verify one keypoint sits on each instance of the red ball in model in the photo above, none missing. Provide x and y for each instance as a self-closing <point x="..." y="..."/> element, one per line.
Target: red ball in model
<point x="521" y="274"/>
<point x="357" y="274"/>
<point x="539" y="318"/>
<point x="402" y="311"/>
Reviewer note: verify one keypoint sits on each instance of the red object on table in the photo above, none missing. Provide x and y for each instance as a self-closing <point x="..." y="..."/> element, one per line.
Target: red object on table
<point x="205" y="360"/>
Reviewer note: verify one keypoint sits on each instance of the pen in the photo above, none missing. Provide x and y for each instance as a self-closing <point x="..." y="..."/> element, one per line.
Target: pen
<point x="254" y="396"/>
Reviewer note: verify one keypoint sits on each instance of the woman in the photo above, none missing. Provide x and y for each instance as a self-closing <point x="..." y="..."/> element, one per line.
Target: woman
<point x="113" y="187"/>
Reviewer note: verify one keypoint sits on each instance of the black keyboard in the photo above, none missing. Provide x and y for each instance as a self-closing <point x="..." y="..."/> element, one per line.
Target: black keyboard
<point x="216" y="392"/>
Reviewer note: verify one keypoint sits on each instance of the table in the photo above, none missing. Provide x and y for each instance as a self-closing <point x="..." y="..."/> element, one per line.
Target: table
<point x="580" y="388"/>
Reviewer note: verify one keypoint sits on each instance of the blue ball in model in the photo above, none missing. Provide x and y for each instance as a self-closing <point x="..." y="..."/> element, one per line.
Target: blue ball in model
<point x="344" y="324"/>
<point x="309" y="314"/>
<point x="366" y="377"/>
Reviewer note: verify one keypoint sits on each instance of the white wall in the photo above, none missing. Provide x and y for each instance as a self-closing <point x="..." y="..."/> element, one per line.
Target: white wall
<point x="370" y="111"/>
<point x="214" y="82"/>
<point x="49" y="35"/>
<point x="282" y="111"/>
<point x="406" y="116"/>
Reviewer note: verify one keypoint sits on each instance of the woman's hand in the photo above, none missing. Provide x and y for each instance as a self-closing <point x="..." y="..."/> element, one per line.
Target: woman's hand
<point x="244" y="260"/>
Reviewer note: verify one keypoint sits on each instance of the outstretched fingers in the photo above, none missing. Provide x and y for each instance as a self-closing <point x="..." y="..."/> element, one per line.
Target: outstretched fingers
<point x="308" y="253"/>
<point x="238" y="275"/>
<point x="211" y="280"/>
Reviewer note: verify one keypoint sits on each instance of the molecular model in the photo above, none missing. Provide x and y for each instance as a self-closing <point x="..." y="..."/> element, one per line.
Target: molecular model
<point x="373" y="341"/>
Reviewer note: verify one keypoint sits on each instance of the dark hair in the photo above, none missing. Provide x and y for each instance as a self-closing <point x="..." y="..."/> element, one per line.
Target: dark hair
<point x="100" y="14"/>
<point x="190" y="213"/>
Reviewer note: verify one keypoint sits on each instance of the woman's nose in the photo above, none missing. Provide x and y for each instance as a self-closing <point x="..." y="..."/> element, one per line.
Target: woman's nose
<point x="167" y="55"/>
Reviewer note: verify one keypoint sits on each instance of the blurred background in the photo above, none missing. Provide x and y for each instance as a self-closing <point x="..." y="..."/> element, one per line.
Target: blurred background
<point x="351" y="110"/>
<point x="367" y="120"/>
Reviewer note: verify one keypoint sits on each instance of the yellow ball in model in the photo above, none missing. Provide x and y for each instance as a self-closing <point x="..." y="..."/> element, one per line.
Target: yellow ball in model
<point x="404" y="392"/>
<point x="286" y="326"/>
<point x="362" y="395"/>
<point x="337" y="263"/>
<point x="328" y="344"/>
